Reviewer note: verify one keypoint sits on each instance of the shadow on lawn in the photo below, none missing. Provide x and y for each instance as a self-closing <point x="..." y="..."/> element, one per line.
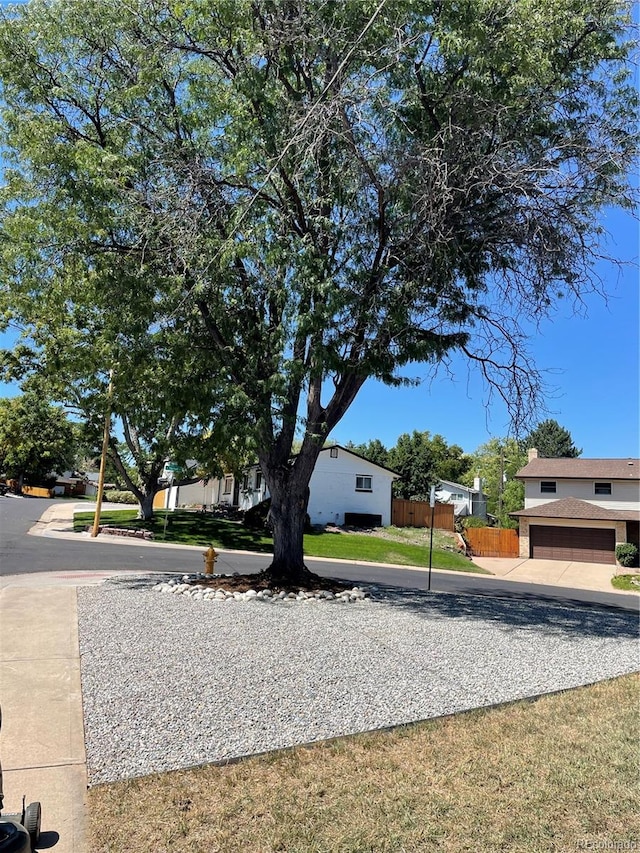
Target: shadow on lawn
<point x="192" y="528"/>
<point x="517" y="611"/>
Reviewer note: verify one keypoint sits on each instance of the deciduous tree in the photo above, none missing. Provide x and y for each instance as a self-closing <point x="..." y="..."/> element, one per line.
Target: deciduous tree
<point x="36" y="439"/>
<point x="328" y="191"/>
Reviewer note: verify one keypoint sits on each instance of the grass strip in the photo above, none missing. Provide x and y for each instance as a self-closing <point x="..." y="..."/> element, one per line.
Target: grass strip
<point x="628" y="582"/>
<point x="556" y="773"/>
<point x="189" y="528"/>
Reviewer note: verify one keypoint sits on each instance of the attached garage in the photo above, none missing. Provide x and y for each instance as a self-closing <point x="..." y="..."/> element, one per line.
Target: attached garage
<point x="579" y="544"/>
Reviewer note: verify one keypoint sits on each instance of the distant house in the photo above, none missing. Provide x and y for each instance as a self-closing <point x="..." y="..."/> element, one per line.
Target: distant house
<point x="466" y="500"/>
<point x="69" y="486"/>
<point x="91" y="485"/>
<point x="345" y="488"/>
<point x="578" y="509"/>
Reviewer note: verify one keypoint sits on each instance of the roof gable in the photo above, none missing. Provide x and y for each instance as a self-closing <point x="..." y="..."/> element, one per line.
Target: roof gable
<point x="359" y="456"/>
<point x="458" y="486"/>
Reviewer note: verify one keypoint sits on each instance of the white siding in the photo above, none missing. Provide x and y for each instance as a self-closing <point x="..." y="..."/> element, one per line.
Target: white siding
<point x="464" y="506"/>
<point x="195" y="494"/>
<point x="624" y="495"/>
<point x="333" y="489"/>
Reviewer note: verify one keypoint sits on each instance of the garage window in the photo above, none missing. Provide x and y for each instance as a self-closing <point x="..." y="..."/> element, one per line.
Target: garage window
<point x="603" y="488"/>
<point x="548" y="487"/>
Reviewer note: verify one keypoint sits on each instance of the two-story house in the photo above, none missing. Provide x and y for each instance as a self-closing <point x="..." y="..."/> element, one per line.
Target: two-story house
<point x="578" y="509"/>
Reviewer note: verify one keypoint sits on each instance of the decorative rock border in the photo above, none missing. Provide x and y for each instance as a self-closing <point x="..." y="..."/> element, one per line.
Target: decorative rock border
<point x="124" y="531"/>
<point x="190" y="585"/>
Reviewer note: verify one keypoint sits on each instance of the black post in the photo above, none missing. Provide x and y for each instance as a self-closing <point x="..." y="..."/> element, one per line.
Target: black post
<point x="433" y="510"/>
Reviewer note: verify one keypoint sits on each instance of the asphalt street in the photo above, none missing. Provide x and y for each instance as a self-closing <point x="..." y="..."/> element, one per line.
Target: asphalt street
<point x="23" y="553"/>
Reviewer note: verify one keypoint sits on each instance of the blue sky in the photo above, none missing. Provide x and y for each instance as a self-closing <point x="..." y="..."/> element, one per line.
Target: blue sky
<point x="592" y="361"/>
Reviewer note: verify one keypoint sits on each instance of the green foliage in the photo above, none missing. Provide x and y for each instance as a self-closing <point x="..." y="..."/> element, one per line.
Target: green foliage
<point x="251" y="208"/>
<point x="626" y="582"/>
<point x="551" y="441"/>
<point x="496" y="462"/>
<point x="422" y="461"/>
<point x="120" y="497"/>
<point x="473" y="521"/>
<point x="373" y="450"/>
<point x="36" y="439"/>
<point x="627" y="554"/>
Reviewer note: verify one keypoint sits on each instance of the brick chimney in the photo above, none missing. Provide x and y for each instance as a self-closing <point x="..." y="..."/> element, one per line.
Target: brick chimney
<point x="532" y="453"/>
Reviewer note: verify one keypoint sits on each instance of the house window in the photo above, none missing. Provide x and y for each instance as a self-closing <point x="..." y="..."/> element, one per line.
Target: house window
<point x="363" y="484"/>
<point x="456" y="496"/>
<point x="548" y="487"/>
<point x="603" y="488"/>
<point x="258" y="479"/>
<point x="245" y="482"/>
<point x="333" y="453"/>
<point x="228" y="484"/>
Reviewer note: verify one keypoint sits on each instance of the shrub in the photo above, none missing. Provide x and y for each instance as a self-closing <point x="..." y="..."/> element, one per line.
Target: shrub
<point x="473" y="521"/>
<point x="120" y="497"/>
<point x="627" y="554"/>
<point x="257" y="517"/>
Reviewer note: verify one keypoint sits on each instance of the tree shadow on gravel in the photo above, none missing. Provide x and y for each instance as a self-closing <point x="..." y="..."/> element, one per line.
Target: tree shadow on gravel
<point x="514" y="611"/>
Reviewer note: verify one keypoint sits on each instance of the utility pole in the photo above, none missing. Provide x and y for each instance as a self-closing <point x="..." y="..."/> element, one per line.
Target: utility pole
<point x="501" y="486"/>
<point x="103" y="457"/>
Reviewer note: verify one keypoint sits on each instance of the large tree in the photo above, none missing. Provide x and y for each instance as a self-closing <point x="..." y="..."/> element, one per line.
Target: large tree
<point x="104" y="361"/>
<point x="422" y="460"/>
<point x="330" y="191"/>
<point x="552" y="440"/>
<point x="36" y="439"/>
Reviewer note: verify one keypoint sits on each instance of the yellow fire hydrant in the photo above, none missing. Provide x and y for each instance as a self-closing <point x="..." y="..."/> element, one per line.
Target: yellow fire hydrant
<point x="210" y="558"/>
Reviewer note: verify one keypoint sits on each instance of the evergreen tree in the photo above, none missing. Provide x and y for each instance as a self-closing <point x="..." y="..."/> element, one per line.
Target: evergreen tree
<point x="552" y="441"/>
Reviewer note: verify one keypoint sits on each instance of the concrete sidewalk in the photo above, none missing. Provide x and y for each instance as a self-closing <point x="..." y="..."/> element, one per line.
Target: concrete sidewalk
<point x="42" y="738"/>
<point x="562" y="573"/>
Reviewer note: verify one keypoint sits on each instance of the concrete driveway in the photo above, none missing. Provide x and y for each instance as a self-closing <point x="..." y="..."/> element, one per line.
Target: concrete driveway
<point x="552" y="572"/>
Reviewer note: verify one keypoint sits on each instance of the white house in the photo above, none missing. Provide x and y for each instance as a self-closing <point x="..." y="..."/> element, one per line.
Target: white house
<point x="345" y="488"/>
<point x="578" y="509"/>
<point x="466" y="500"/>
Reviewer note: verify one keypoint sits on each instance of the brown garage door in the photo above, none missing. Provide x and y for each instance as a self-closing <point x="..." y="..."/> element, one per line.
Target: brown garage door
<point x="584" y="544"/>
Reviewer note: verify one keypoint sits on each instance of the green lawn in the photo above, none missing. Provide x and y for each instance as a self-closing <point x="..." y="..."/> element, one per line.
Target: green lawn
<point x="630" y="582"/>
<point x="189" y="528"/>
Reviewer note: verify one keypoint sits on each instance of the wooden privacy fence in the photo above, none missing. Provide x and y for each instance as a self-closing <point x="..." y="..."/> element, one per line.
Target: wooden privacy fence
<point x="418" y="514"/>
<point x="493" y="541"/>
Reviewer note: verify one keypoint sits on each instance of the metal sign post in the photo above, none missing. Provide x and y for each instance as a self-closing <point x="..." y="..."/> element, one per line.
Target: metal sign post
<point x="166" y="509"/>
<point x="432" y="504"/>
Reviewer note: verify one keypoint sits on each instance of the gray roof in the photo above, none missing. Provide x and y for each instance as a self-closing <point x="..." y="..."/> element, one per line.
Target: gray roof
<point x="569" y="508"/>
<point x="581" y="469"/>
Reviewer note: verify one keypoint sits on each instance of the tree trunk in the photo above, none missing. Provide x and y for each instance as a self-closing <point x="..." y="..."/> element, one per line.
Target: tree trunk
<point x="289" y="492"/>
<point x="145" y="512"/>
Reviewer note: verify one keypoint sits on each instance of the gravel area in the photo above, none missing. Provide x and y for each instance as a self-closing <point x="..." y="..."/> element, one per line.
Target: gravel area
<point x="170" y="682"/>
